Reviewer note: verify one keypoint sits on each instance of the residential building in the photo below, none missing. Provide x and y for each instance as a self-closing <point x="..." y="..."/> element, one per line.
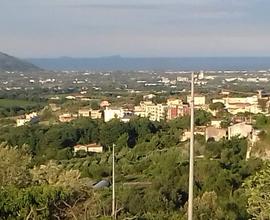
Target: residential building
<point x="111" y="113"/>
<point x="174" y="102"/>
<point x="139" y="111"/>
<point x="182" y="79"/>
<point x="237" y="105"/>
<point x="215" y="133"/>
<point x="216" y="123"/>
<point x="224" y="92"/>
<point x="187" y="134"/>
<point x="67" y="117"/>
<point x="150" y="96"/>
<point x="161" y="112"/>
<point x="248" y="100"/>
<point x="55" y="98"/>
<point x="218" y="100"/>
<point x="176" y="108"/>
<point x="201" y="75"/>
<point x="86" y="112"/>
<point x="156" y="112"/>
<point x="95" y="114"/>
<point x="28" y="118"/>
<point x="240" y="129"/>
<point x="152" y="111"/>
<point x="95" y="148"/>
<point x="165" y="80"/>
<point x="199" y="100"/>
<point x="70" y="97"/>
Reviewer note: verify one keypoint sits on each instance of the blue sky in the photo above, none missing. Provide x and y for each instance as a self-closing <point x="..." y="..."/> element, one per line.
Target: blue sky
<point x="135" y="28"/>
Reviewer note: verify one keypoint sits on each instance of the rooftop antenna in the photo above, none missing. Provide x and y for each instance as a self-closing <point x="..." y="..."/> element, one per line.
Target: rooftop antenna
<point x="191" y="152"/>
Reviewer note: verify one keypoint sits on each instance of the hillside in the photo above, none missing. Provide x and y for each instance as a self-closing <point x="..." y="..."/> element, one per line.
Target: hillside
<point x="10" y="63"/>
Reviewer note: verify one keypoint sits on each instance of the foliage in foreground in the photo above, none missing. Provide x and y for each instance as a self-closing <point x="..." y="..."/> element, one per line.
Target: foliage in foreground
<point x="151" y="173"/>
<point x="257" y="189"/>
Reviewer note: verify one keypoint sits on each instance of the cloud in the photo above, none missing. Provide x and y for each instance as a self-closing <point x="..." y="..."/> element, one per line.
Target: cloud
<point x="143" y="27"/>
<point x="116" y="6"/>
<point x="189" y="9"/>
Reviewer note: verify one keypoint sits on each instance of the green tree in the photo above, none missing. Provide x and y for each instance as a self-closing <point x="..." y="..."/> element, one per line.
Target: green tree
<point x="217" y="106"/>
<point x="257" y="189"/>
<point x="14" y="166"/>
<point x="261" y="121"/>
<point x="202" y="117"/>
<point x="111" y="131"/>
<point x="94" y="105"/>
<point x="206" y="207"/>
<point x="34" y="202"/>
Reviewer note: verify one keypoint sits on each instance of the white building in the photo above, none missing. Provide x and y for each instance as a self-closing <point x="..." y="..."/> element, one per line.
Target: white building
<point x="250" y="100"/>
<point x="70" y="97"/>
<point x="165" y="80"/>
<point x="111" y="113"/>
<point x="218" y="100"/>
<point x="28" y="118"/>
<point x="156" y="112"/>
<point x="216" y="123"/>
<point x="201" y="75"/>
<point x="243" y="104"/>
<point x="199" y="100"/>
<point x="174" y="102"/>
<point x="182" y="79"/>
<point x="161" y="112"/>
<point x="240" y="129"/>
<point x="95" y="148"/>
<point x="150" y="96"/>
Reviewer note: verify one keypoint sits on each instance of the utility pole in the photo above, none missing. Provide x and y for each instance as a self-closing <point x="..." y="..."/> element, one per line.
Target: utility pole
<point x="113" y="185"/>
<point x="191" y="152"/>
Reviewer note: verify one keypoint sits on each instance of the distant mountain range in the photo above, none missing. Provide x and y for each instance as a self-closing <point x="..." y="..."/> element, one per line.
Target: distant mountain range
<point x="154" y="63"/>
<point x="10" y="63"/>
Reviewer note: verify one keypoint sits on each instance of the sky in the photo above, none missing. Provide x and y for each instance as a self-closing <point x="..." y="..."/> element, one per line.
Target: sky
<point x="135" y="28"/>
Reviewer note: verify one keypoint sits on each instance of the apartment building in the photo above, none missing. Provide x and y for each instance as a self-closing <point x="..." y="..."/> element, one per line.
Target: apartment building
<point x="242" y="104"/>
<point x="176" y="108"/>
<point x="90" y="113"/>
<point x="155" y="112"/>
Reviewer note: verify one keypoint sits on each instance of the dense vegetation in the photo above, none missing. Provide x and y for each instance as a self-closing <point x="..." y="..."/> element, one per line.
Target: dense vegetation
<point x="44" y="179"/>
<point x="10" y="107"/>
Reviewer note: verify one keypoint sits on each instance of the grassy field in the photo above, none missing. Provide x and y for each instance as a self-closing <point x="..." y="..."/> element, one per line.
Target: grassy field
<point x="8" y="103"/>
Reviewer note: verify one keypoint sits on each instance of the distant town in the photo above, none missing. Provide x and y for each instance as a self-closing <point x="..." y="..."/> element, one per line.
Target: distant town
<point x="135" y="110"/>
<point x="162" y="96"/>
<point x="69" y="121"/>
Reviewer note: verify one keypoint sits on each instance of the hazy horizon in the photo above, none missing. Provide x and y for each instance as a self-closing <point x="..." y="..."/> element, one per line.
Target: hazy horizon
<point x="157" y="63"/>
<point x="141" y="57"/>
<point x="141" y="28"/>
